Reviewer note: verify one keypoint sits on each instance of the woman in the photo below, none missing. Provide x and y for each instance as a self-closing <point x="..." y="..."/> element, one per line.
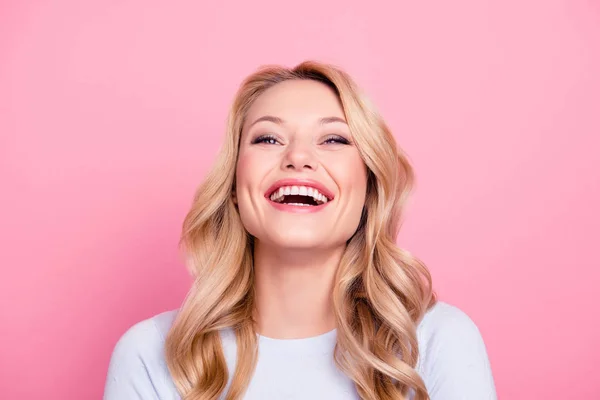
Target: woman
<point x="300" y="291"/>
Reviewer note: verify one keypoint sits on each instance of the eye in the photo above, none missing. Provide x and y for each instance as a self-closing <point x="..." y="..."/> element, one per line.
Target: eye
<point x="336" y="139"/>
<point x="267" y="139"/>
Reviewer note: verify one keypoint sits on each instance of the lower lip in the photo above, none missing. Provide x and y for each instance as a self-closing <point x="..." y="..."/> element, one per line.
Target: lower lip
<point x="297" y="209"/>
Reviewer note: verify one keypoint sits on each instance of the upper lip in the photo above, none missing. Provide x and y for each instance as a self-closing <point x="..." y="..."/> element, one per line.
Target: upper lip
<point x="299" y="182"/>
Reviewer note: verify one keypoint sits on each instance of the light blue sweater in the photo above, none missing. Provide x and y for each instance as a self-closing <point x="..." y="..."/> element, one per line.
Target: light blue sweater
<point x="453" y="363"/>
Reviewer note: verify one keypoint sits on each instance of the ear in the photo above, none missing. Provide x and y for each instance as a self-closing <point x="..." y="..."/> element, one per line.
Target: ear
<point x="234" y="197"/>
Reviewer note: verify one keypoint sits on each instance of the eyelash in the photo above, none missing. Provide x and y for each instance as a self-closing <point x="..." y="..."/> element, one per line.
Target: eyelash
<point x="336" y="138"/>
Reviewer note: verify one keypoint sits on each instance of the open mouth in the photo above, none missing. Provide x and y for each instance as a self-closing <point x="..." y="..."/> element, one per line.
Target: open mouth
<point x="299" y="196"/>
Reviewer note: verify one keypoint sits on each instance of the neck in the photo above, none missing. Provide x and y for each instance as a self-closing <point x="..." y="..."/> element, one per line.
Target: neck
<point x="293" y="290"/>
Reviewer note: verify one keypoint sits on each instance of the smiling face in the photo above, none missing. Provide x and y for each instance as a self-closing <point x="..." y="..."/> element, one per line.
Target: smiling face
<point x="300" y="180"/>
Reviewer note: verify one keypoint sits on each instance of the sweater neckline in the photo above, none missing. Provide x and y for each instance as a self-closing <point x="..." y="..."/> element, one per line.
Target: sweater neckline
<point x="323" y="344"/>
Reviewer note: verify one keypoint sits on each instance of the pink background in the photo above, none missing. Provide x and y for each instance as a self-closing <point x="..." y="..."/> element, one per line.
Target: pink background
<point x="111" y="112"/>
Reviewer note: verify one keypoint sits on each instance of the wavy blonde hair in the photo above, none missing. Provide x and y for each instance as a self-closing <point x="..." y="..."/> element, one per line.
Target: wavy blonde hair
<point x="381" y="292"/>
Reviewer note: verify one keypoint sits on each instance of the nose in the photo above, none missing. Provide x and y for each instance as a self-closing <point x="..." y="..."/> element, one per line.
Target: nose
<point x="299" y="156"/>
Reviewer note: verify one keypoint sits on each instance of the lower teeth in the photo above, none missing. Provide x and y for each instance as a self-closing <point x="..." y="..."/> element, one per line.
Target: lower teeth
<point x="299" y="204"/>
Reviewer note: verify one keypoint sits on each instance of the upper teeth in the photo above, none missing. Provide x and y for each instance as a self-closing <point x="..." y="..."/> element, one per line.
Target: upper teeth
<point x="278" y="194"/>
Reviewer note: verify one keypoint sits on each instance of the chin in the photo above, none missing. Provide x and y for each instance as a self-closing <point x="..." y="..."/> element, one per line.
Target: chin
<point x="296" y="240"/>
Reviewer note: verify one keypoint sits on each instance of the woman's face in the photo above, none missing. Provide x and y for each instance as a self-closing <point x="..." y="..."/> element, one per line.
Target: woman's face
<point x="300" y="181"/>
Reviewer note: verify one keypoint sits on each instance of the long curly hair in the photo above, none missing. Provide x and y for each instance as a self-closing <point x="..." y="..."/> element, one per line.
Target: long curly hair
<point x="381" y="291"/>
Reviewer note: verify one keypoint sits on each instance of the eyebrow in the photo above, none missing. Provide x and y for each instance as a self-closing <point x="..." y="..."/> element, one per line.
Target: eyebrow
<point x="329" y="120"/>
<point x="279" y="121"/>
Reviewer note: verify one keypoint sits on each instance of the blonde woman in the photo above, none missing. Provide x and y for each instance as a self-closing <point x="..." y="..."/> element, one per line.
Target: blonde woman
<point x="300" y="290"/>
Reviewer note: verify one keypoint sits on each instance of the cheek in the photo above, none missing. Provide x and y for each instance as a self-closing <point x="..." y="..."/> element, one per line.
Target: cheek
<point x="252" y="168"/>
<point x="243" y="181"/>
<point x="351" y="175"/>
<point x="249" y="169"/>
<point x="240" y="169"/>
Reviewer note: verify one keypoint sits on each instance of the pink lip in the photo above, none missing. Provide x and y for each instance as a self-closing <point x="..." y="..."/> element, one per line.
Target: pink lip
<point x="298" y="182"/>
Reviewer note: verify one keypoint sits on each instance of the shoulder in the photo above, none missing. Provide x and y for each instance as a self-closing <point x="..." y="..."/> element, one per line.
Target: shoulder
<point x="146" y="337"/>
<point x="453" y="359"/>
<point x="443" y="320"/>
<point x="137" y="363"/>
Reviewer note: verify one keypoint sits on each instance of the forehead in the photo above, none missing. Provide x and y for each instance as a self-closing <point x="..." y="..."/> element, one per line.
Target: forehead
<point x="297" y="101"/>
